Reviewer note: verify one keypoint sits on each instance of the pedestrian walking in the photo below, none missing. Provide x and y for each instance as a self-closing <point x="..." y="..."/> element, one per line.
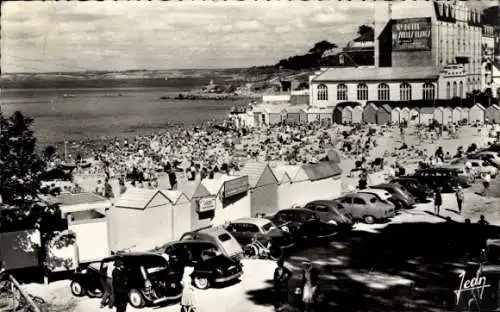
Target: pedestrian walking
<point x="438" y="201"/>
<point x="281" y="278"/>
<point x="188" y="299"/>
<point x="309" y="287"/>
<point x="107" y="297"/>
<point x="486" y="183"/>
<point x="120" y="299"/>
<point x="460" y="198"/>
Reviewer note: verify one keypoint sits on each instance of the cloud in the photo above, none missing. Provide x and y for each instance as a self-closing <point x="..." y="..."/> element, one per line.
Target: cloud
<point x="53" y="36"/>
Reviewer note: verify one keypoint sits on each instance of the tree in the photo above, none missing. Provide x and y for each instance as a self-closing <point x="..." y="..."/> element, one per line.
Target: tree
<point x="20" y="183"/>
<point x="322" y="46"/>
<point x="49" y="152"/>
<point x="365" y="29"/>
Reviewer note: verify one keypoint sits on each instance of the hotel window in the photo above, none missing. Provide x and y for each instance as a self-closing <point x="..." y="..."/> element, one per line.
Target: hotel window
<point x="448" y="90"/>
<point x="383" y="92"/>
<point x="341" y="92"/>
<point x="454" y="89"/>
<point x="461" y="90"/>
<point x="362" y="92"/>
<point x="322" y="93"/>
<point x="428" y="91"/>
<point x="405" y="92"/>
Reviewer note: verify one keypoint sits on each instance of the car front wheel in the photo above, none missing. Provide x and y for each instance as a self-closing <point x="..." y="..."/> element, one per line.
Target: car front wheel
<point x="136" y="299"/>
<point x="201" y="282"/>
<point x="369" y="219"/>
<point x="77" y="289"/>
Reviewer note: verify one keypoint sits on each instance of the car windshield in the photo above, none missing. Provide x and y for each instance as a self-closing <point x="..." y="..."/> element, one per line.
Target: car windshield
<point x="268" y="227"/>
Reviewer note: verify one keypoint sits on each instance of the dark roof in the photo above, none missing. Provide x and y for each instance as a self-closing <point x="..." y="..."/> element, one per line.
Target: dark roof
<point x="86" y="215"/>
<point x="386" y="107"/>
<point x="295" y="210"/>
<point x="322" y="170"/>
<point x="68" y="199"/>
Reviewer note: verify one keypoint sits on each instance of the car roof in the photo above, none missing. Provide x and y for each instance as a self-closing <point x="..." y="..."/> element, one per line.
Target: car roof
<point x="321" y="201"/>
<point x="360" y="195"/>
<point x="189" y="242"/>
<point x="257" y="221"/>
<point x="216" y="230"/>
<point x="131" y="255"/>
<point x="298" y="209"/>
<point x="405" y="179"/>
<point x="373" y="191"/>
<point x="385" y="185"/>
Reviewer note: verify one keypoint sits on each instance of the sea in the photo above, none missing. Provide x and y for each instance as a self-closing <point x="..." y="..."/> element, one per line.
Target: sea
<point x="77" y="115"/>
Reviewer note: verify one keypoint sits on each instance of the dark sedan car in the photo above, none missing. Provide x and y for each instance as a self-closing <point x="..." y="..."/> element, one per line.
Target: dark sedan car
<point x="420" y="191"/>
<point x="446" y="179"/>
<point x="303" y="224"/>
<point x="210" y="265"/>
<point x="245" y="230"/>
<point x="332" y="212"/>
<point x="151" y="280"/>
<point x="398" y="192"/>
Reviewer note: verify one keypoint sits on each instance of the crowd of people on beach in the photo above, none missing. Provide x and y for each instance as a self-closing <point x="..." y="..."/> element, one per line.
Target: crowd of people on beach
<point x="202" y="152"/>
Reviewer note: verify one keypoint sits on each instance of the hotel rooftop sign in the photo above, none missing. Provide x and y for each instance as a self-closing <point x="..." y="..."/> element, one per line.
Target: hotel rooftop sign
<point x="411" y="34"/>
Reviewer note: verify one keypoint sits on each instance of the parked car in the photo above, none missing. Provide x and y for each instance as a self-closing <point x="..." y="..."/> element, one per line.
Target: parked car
<point x="246" y="230"/>
<point x="466" y="177"/>
<point x="492" y="157"/>
<point x="330" y="211"/>
<point x="479" y="167"/>
<point x="151" y="280"/>
<point x="367" y="207"/>
<point x="219" y="236"/>
<point x="442" y="177"/>
<point x="384" y="196"/>
<point x="401" y="195"/>
<point x="210" y="265"/>
<point x="303" y="224"/>
<point x="419" y="191"/>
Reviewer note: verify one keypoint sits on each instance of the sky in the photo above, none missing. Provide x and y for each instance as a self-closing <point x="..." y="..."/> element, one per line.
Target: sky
<point x="75" y="36"/>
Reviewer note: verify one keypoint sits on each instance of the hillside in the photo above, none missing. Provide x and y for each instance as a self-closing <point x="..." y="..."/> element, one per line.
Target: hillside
<point x="260" y="78"/>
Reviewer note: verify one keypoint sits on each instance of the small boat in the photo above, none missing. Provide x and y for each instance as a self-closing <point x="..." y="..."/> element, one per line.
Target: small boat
<point x="67" y="95"/>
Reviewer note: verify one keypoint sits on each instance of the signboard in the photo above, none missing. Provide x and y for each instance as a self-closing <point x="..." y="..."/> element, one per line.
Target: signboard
<point x="412" y="34"/>
<point x="206" y="204"/>
<point x="236" y="186"/>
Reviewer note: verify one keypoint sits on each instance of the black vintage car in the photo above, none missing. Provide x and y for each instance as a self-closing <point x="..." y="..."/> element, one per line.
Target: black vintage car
<point x="151" y="280"/>
<point x="303" y="224"/>
<point x="445" y="178"/>
<point x="420" y="191"/>
<point x="245" y="230"/>
<point x="210" y="265"/>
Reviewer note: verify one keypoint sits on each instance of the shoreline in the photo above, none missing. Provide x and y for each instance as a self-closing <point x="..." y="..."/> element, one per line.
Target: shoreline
<point x="210" y="96"/>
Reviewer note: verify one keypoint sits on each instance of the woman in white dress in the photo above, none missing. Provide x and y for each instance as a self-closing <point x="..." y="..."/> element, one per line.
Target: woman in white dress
<point x="308" y="287"/>
<point x="188" y="300"/>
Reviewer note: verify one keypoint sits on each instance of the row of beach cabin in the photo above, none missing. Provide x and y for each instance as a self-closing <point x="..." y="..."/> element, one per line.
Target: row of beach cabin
<point x="373" y="114"/>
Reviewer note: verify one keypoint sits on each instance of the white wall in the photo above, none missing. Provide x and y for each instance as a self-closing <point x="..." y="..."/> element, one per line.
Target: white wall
<point x="92" y="239"/>
<point x="239" y="209"/>
<point x="182" y="219"/>
<point x="300" y="193"/>
<point x="352" y="92"/>
<point x="138" y="229"/>
<point x="276" y="98"/>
